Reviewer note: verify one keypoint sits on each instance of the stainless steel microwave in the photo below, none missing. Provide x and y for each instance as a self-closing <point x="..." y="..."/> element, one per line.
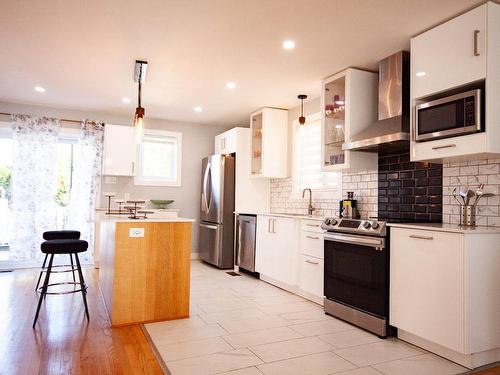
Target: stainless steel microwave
<point x="448" y="117"/>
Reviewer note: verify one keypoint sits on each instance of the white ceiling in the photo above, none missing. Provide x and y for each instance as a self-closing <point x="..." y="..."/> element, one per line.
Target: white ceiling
<point x="83" y="52"/>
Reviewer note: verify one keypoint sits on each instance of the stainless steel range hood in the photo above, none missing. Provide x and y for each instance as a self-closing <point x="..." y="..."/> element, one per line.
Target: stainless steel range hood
<point x="392" y="130"/>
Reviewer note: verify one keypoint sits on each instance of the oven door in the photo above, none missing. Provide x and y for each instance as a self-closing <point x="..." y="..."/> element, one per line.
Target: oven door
<point x="356" y="272"/>
<point x="448" y="117"/>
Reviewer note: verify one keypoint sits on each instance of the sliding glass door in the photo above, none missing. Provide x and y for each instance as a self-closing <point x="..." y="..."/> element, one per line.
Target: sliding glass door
<point x="60" y="215"/>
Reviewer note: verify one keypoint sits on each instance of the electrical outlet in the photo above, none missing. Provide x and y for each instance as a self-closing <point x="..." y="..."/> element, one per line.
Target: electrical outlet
<point x="136" y="232"/>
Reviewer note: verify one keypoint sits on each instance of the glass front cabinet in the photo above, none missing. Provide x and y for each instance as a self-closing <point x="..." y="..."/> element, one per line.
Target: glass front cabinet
<point x="348" y="104"/>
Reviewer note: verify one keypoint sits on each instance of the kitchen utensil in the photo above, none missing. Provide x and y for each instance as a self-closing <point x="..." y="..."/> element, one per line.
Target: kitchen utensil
<point x="455" y="196"/>
<point x="161" y="203"/>
<point x="463" y="194"/>
<point x="483" y="195"/>
<point x="468" y="195"/>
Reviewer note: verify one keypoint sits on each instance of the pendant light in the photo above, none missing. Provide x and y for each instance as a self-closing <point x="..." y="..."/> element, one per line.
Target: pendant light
<point x="302" y="119"/>
<point x="139" y="77"/>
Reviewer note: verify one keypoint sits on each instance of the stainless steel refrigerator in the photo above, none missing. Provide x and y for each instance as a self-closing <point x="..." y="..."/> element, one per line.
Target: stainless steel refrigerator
<point x="216" y="239"/>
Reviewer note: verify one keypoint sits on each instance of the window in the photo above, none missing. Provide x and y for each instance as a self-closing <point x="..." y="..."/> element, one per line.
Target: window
<point x="307" y="159"/>
<point x="160" y="155"/>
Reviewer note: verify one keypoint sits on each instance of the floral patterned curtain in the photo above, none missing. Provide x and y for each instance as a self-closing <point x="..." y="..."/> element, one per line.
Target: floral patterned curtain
<point x="34" y="184"/>
<point x="34" y="204"/>
<point x="87" y="161"/>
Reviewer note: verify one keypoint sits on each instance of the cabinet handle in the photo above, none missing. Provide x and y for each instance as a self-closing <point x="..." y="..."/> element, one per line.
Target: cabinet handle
<point x="269" y="226"/>
<point x="312" y="225"/>
<point x="444" y="146"/>
<point x="311" y="262"/>
<point x="476" y="52"/>
<point x="133" y="167"/>
<point x="312" y="238"/>
<point x="274" y="229"/>
<point x="421" y="237"/>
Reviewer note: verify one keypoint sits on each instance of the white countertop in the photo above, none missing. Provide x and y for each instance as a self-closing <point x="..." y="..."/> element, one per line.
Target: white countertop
<point x="451" y="228"/>
<point x="102" y="218"/>
<point x="293" y="216"/>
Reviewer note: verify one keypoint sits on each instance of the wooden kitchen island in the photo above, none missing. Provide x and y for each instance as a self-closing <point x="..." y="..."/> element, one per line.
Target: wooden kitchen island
<point x="145" y="268"/>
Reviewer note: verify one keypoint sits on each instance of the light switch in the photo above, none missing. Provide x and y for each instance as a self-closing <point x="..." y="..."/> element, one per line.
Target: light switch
<point x="136" y="232"/>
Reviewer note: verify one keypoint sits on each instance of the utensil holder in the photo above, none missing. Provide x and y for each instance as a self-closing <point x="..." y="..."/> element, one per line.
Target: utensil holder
<point x="468" y="216"/>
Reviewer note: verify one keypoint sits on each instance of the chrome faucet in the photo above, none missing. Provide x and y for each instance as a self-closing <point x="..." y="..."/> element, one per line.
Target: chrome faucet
<point x="310" y="209"/>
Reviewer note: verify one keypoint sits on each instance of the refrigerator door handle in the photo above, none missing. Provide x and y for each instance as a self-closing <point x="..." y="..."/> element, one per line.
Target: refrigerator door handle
<point x="204" y="192"/>
<point x="208" y="226"/>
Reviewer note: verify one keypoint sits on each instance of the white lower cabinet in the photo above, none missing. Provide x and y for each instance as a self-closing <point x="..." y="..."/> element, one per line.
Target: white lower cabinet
<point x="276" y="257"/>
<point x="427" y="281"/>
<point x="289" y="254"/>
<point x="444" y="292"/>
<point x="311" y="277"/>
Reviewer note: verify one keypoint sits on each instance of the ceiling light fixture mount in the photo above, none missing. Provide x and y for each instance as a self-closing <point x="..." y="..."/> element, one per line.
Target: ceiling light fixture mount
<point x="302" y="119"/>
<point x="139" y="77"/>
<point x="39" y="89"/>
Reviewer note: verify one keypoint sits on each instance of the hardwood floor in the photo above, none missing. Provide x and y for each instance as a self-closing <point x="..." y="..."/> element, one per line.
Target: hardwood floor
<point x="63" y="342"/>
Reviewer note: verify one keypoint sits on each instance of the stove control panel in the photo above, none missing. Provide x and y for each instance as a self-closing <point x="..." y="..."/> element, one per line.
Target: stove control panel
<point x="371" y="227"/>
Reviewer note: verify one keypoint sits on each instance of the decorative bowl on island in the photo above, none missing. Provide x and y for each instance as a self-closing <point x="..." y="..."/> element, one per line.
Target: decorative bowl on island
<point x="161" y="203"/>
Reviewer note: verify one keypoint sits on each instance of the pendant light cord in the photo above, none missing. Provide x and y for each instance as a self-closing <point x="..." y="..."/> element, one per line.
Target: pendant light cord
<point x="140" y="86"/>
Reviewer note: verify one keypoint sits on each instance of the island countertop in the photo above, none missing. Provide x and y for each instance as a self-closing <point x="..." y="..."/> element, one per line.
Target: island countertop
<point x="100" y="218"/>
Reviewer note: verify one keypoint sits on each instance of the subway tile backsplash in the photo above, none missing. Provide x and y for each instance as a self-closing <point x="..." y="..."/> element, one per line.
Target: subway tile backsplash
<point x="409" y="191"/>
<point x="469" y="174"/>
<point x="429" y="200"/>
<point x="364" y="184"/>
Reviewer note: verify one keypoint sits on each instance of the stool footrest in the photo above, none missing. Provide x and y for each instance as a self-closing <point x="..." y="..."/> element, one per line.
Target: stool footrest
<point x="85" y="287"/>
<point x="70" y="269"/>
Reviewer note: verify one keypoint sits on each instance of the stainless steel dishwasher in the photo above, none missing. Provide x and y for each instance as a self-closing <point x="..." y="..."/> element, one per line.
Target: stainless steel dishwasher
<point x="245" y="241"/>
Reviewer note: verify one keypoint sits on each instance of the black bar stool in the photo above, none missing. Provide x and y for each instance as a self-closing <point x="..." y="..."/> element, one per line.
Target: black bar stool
<point x="59" y="235"/>
<point x="52" y="248"/>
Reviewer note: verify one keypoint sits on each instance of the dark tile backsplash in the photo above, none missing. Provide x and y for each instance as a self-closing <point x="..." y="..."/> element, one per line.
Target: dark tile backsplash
<point x="409" y="191"/>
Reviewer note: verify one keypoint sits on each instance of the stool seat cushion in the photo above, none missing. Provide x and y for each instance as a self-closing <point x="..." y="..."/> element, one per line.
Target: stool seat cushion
<point x="61" y="235"/>
<point x="64" y="246"/>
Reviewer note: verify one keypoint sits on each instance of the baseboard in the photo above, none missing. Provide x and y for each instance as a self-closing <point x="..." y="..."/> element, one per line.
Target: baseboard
<point x="471" y="361"/>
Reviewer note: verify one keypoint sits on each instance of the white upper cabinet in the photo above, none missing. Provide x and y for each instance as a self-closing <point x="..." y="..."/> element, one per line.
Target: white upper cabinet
<point x="450" y="55"/>
<point x="349" y="104"/>
<point x="225" y="143"/>
<point x="251" y="195"/>
<point x="120" y="151"/>
<point x="462" y="52"/>
<point x="269" y="143"/>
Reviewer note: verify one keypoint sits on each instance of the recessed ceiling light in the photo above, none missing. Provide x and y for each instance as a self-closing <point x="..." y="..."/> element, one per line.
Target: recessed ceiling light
<point x="420" y="74"/>
<point x="288" y="44"/>
<point x="126" y="100"/>
<point x="39" y="89"/>
<point x="198" y="109"/>
<point x="231" y="85"/>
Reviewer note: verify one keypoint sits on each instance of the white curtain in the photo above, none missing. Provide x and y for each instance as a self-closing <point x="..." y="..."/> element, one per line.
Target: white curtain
<point x="87" y="161"/>
<point x="34" y="184"/>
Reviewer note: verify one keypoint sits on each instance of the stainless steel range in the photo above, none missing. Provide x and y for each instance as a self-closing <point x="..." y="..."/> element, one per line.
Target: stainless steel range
<point x="356" y="283"/>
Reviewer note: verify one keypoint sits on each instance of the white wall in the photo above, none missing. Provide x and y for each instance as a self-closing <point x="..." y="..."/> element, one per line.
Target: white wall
<point x="198" y="142"/>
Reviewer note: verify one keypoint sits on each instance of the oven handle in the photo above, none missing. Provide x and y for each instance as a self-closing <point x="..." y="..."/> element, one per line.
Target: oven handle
<point x="377" y="243"/>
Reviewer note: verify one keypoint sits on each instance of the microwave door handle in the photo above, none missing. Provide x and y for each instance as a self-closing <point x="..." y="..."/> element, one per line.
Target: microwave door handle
<point x="444" y="146"/>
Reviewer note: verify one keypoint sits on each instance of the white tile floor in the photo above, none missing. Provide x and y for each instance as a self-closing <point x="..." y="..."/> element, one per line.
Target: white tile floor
<point x="243" y="326"/>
